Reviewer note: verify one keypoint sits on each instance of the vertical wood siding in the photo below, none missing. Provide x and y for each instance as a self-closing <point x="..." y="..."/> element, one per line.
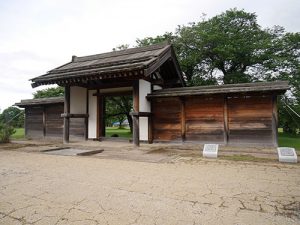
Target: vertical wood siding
<point x="204" y="118"/>
<point x="34" y="122"/>
<point x="249" y="119"/>
<point x="166" y="119"/>
<point x="54" y="122"/>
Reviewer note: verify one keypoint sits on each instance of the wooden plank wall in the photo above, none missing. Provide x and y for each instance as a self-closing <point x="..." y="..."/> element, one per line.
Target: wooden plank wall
<point x="166" y="119"/>
<point x="77" y="127"/>
<point x="250" y="119"/>
<point x="204" y="118"/>
<point x="54" y="121"/>
<point x="44" y="121"/>
<point x="213" y="119"/>
<point x="34" y="122"/>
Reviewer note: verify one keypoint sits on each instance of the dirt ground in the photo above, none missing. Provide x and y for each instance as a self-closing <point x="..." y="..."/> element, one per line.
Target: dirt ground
<point x="38" y="188"/>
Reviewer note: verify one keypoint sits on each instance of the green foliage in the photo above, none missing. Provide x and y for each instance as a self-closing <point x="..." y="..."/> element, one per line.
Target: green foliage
<point x="117" y="109"/>
<point x="233" y="48"/>
<point x="5" y="132"/>
<point x="19" y="134"/>
<point x="289" y="140"/>
<point x="49" y="92"/>
<point x="12" y="116"/>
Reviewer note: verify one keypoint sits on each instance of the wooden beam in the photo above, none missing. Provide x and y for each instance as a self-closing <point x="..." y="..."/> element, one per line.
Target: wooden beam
<point x="141" y="114"/>
<point x="161" y="60"/>
<point x="274" y="120"/>
<point x="135" y="119"/>
<point x="73" y="115"/>
<point x="66" y="135"/>
<point x="183" y="125"/>
<point x="225" y="115"/>
<point x="123" y="93"/>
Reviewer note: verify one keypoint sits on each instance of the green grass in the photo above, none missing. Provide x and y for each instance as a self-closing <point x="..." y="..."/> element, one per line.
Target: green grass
<point x="247" y="158"/>
<point x="124" y="132"/>
<point x="20" y="134"/>
<point x="289" y="140"/>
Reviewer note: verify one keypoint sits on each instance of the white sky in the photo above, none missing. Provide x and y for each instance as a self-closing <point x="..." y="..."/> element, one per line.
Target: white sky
<point x="38" y="35"/>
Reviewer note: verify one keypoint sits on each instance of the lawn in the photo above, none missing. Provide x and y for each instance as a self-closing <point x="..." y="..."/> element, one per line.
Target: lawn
<point x="288" y="140"/>
<point x="124" y="132"/>
<point x="19" y="134"/>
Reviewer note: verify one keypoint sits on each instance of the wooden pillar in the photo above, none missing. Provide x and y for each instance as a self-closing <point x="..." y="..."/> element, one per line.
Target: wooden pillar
<point x="86" y="119"/>
<point x="103" y="116"/>
<point x="135" y="119"/>
<point x="225" y="115"/>
<point x="100" y="116"/>
<point x="150" y="125"/>
<point x="25" y="122"/>
<point x="274" y="120"/>
<point x="67" y="111"/>
<point x="183" y="127"/>
<point x="44" y="121"/>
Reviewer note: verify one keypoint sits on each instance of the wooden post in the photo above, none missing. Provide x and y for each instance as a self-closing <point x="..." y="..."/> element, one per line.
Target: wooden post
<point x="274" y="120"/>
<point x="86" y="119"/>
<point x="225" y="113"/>
<point x="44" y="121"/>
<point x="150" y="125"/>
<point x="135" y="119"/>
<point x="183" y="126"/>
<point x="25" y="122"/>
<point x="67" y="111"/>
<point x="100" y="117"/>
<point x="103" y="116"/>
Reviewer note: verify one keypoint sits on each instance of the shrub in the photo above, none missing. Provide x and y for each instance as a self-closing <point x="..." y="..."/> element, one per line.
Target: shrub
<point x="5" y="132"/>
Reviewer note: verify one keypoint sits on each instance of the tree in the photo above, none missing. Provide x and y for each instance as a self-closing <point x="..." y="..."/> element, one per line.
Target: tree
<point x="233" y="48"/>
<point x="49" y="92"/>
<point x="119" y="108"/>
<point x="12" y="116"/>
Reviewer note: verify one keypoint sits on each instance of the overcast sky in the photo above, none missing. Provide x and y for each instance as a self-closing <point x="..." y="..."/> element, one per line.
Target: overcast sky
<point x="38" y="35"/>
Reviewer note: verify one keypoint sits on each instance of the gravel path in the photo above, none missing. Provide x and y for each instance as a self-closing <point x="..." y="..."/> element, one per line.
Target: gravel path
<point x="37" y="188"/>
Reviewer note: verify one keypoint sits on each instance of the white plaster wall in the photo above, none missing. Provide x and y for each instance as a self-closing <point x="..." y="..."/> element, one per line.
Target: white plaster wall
<point x="144" y="106"/>
<point x="92" y="115"/>
<point x="77" y="100"/>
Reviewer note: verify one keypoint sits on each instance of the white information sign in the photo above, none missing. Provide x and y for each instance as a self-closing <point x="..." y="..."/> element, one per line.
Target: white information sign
<point x="210" y="150"/>
<point x="287" y="155"/>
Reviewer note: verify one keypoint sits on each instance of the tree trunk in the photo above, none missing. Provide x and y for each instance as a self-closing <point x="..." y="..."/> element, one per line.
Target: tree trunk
<point x="129" y="118"/>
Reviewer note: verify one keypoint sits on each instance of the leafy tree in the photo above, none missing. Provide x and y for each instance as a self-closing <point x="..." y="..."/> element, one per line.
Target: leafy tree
<point x="49" y="92"/>
<point x="118" y="108"/>
<point x="12" y="116"/>
<point x="5" y="132"/>
<point x="233" y="48"/>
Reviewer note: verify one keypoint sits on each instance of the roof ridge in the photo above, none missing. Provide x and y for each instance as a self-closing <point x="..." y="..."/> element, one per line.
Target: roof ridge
<point x="121" y="52"/>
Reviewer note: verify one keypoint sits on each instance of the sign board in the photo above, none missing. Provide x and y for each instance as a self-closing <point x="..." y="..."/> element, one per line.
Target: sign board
<point x="286" y="154"/>
<point x="210" y="150"/>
